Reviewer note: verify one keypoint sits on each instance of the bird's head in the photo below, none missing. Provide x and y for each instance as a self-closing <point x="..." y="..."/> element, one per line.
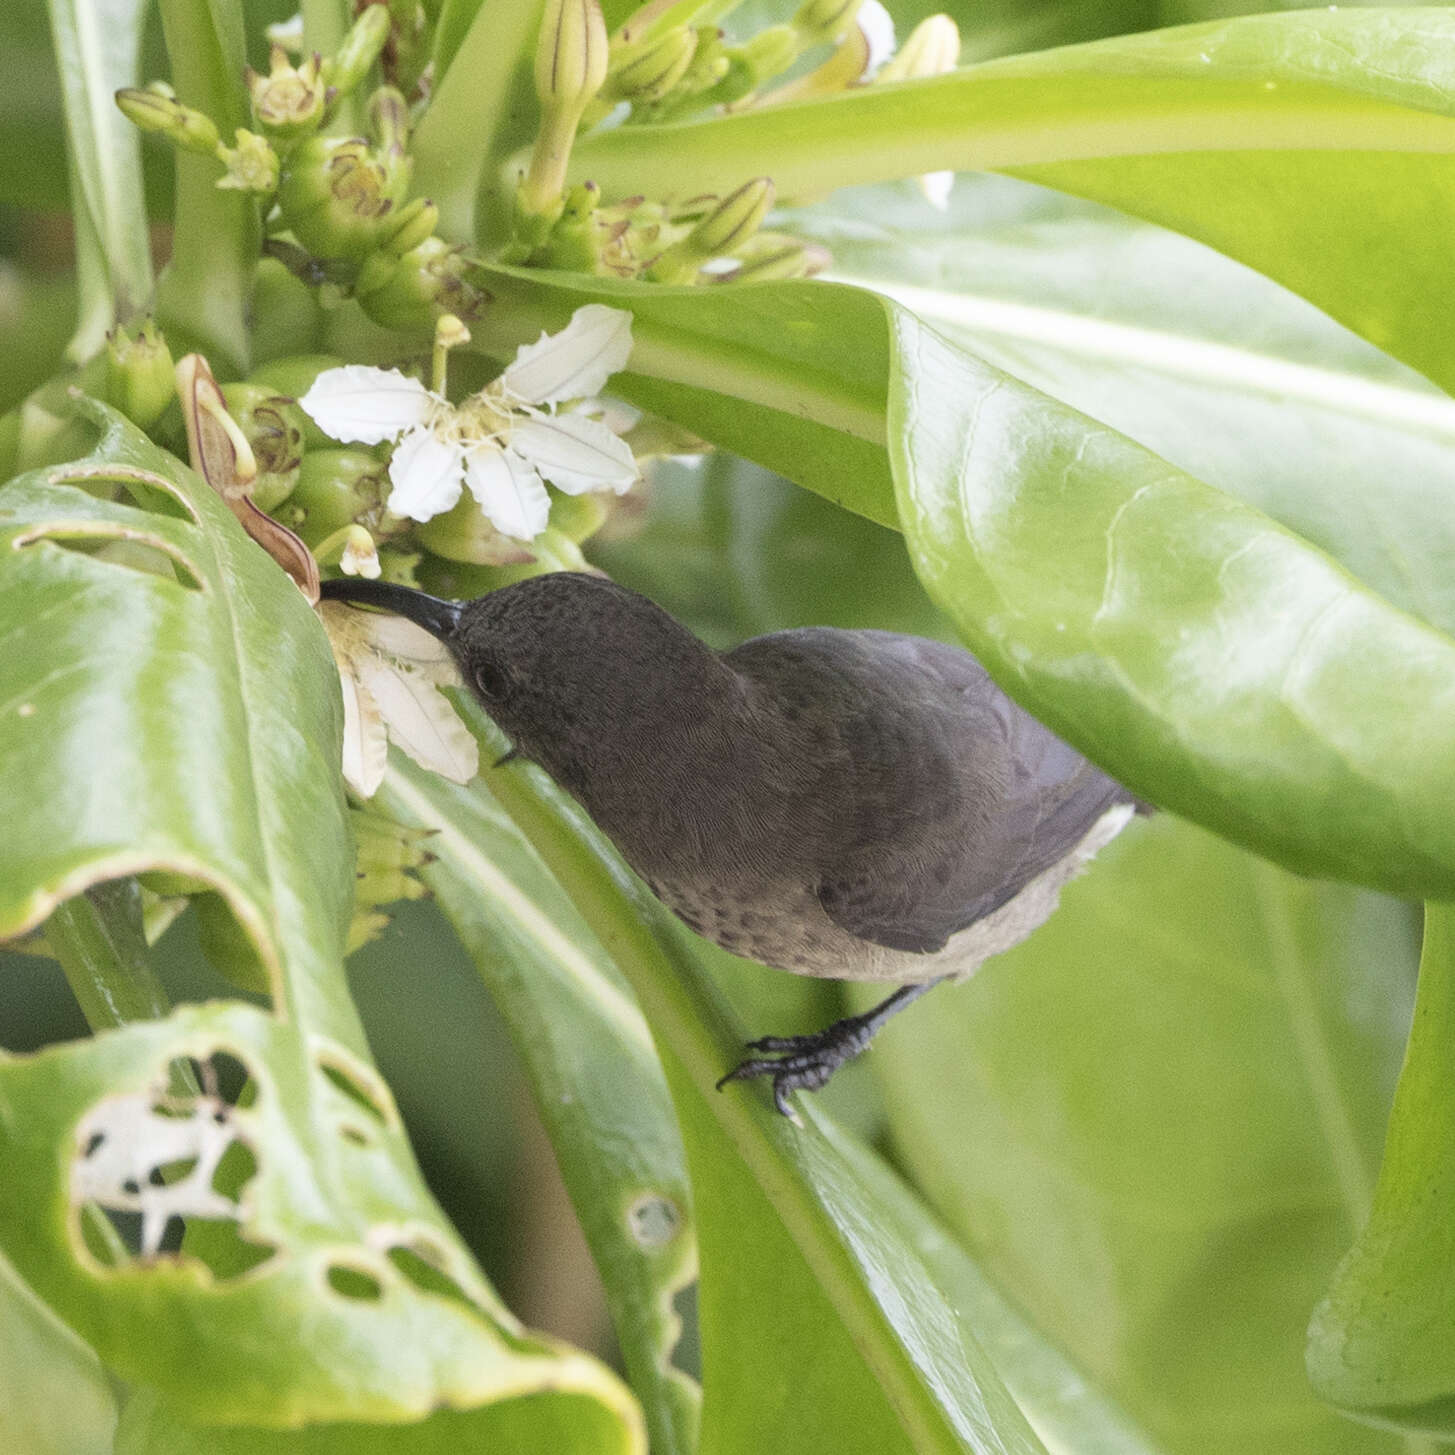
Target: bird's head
<point x="575" y="669"/>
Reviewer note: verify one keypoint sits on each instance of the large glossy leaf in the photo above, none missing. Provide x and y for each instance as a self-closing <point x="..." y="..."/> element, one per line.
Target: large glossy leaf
<point x="1211" y="366"/>
<point x="1380" y="1344"/>
<point x="54" y="1398"/>
<point x="170" y="705"/>
<point x="593" y="1070"/>
<point x="1157" y="1125"/>
<point x="1200" y="652"/>
<point x="821" y="1328"/>
<point x="1314" y="146"/>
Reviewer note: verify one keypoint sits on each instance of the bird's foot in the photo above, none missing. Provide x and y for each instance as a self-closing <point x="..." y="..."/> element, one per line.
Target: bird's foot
<point x="805" y="1063"/>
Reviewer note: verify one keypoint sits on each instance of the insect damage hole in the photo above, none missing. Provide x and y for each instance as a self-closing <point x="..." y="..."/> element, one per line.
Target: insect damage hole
<point x="354" y="1283"/>
<point x="121" y="548"/>
<point x="653" y="1220"/>
<point x="423" y="1265"/>
<point x="351" y="1083"/>
<point x="161" y="1173"/>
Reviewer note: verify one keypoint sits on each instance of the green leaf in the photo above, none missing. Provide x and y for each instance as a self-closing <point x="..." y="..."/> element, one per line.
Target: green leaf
<point x="97" y="45"/>
<point x="1314" y="147"/>
<point x="790" y="375"/>
<point x="173" y="706"/>
<point x="54" y="1397"/>
<point x="1208" y="364"/>
<point x="1204" y="655"/>
<point x="1156" y="1123"/>
<point x="595" y="1076"/>
<point x="173" y="709"/>
<point x="1379" y="1345"/>
<point x="807" y="1299"/>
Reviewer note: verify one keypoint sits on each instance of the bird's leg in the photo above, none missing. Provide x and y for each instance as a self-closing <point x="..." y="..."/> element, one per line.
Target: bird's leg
<point x="805" y="1063"/>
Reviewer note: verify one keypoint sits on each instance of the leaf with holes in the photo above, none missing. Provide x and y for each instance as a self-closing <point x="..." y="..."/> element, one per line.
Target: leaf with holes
<point x="316" y="1282"/>
<point x="168" y="702"/>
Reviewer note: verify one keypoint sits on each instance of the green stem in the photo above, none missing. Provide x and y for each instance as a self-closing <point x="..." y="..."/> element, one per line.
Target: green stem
<point x="203" y="297"/>
<point x="97" y="937"/>
<point x="996" y="117"/>
<point x="693" y="1026"/>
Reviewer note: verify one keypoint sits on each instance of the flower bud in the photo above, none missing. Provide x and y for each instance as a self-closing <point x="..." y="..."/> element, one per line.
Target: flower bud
<point x="770" y="52"/>
<point x="294" y="377"/>
<point x="287" y="318"/>
<point x="336" y="194"/>
<point x="725" y="229"/>
<point x="570" y="66"/>
<point x="932" y="49"/>
<point x="825" y="22"/>
<point x="139" y="373"/>
<point x="288" y="102"/>
<point x="463" y="533"/>
<point x="648" y="71"/>
<point x="157" y="110"/>
<point x="359" y="50"/>
<point x="775" y="255"/>
<point x="252" y="165"/>
<point x="273" y="426"/>
<point x="409" y="293"/>
<point x="336" y="489"/>
<point x="411" y="225"/>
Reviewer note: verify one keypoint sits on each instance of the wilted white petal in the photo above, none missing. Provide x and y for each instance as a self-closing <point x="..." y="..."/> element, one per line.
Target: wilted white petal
<point x="365" y="743"/>
<point x="364" y="406"/>
<point x="509" y="491"/>
<point x="936" y="187"/>
<point x="360" y="556"/>
<point x="575" y="362"/>
<point x="426" y="475"/>
<point x="420" y="719"/>
<point x="877" y="25"/>
<point x="576" y="453"/>
<point x="409" y="644"/>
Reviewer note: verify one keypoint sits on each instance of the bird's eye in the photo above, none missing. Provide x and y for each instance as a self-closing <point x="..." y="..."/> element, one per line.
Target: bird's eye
<point x="491" y="680"/>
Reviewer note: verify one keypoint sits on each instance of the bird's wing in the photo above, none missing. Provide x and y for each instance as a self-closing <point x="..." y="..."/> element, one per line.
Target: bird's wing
<point x="952" y="798"/>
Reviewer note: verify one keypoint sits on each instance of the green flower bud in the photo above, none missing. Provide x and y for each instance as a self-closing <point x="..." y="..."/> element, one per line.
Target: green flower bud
<point x="770" y="52"/>
<point x="389" y="122"/>
<point x="579" y="517"/>
<point x="157" y="110"/>
<point x="337" y="488"/>
<point x="773" y="255"/>
<point x="288" y="102"/>
<point x="410" y="293"/>
<point x="294" y="377"/>
<point x="412" y="225"/>
<point x="272" y="424"/>
<point x="336" y="194"/>
<point x="139" y="373"/>
<point x="825" y="22"/>
<point x="464" y="534"/>
<point x="287" y="318"/>
<point x="360" y="49"/>
<point x="932" y="49"/>
<point x="648" y="71"/>
<point x="252" y="165"/>
<point x="570" y="65"/>
<point x="726" y="228"/>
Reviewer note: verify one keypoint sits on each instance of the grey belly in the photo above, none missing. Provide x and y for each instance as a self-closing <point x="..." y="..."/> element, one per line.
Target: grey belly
<point x="785" y="927"/>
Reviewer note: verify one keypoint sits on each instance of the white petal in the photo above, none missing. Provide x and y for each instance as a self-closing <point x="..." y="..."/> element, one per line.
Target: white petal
<point x="420" y="718"/>
<point x="509" y="491"/>
<point x="365" y="743"/>
<point x="575" y="453"/>
<point x="426" y="475"/>
<point x="936" y="187"/>
<point x="575" y="362"/>
<point x="877" y="25"/>
<point x="408" y="643"/>
<point x="364" y="406"/>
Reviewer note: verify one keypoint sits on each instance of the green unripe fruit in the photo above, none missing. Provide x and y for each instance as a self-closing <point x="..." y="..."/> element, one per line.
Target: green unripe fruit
<point x="294" y="377"/>
<point x="338" y="488"/>
<point x="273" y="424"/>
<point x="336" y="196"/>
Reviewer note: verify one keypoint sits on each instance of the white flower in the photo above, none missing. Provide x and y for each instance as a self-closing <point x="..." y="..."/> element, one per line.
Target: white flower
<point x="877" y="26"/>
<point x="390" y="671"/>
<point x="500" y="442"/>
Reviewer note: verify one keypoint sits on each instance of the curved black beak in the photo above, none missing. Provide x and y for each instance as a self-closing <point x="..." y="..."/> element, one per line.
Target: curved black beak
<point x="438" y="617"/>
